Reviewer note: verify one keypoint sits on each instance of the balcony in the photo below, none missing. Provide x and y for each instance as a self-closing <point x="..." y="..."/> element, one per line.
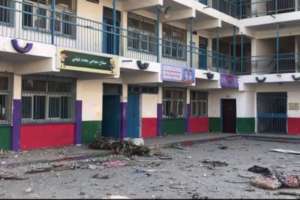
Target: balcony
<point x="252" y="8"/>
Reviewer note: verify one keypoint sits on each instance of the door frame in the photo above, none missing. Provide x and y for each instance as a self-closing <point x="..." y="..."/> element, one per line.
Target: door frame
<point x="222" y="114"/>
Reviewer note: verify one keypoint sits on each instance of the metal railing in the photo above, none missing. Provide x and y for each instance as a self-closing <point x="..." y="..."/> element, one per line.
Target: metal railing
<point x="252" y="8"/>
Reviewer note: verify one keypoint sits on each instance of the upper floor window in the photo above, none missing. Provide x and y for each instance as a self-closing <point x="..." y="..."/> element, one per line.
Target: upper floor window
<point x="47" y="100"/>
<point x="37" y="15"/>
<point x="6" y="12"/>
<point x="4" y="99"/>
<point x="174" y="42"/>
<point x="199" y="104"/>
<point x="141" y="34"/>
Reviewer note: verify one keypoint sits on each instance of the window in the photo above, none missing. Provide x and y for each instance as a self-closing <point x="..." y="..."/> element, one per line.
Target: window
<point x="6" y="12"/>
<point x="37" y="15"/>
<point x="174" y="42"/>
<point x="4" y="99"/>
<point x="174" y="101"/>
<point x="47" y="100"/>
<point x="141" y="34"/>
<point x="199" y="104"/>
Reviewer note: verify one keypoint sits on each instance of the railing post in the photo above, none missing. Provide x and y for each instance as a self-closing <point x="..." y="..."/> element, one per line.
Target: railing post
<point x="53" y="13"/>
<point x="114" y="27"/>
<point x="242" y="53"/>
<point x="277" y="47"/>
<point x="234" y="48"/>
<point x="191" y="42"/>
<point x="158" y="33"/>
<point x="218" y="50"/>
<point x="276" y="6"/>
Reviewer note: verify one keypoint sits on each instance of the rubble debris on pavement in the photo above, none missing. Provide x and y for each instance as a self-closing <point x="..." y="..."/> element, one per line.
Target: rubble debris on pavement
<point x="286" y="151"/>
<point x="127" y="148"/>
<point x="210" y="164"/>
<point x="5" y="175"/>
<point x="260" y="170"/>
<point x="268" y="183"/>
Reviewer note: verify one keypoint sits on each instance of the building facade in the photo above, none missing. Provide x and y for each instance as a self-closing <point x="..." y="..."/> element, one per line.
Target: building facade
<point x="72" y="70"/>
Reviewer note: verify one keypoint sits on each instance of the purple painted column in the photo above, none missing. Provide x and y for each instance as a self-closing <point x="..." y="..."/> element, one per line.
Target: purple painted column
<point x="78" y="122"/>
<point x="123" y="127"/>
<point x="17" y="121"/>
<point x="187" y="118"/>
<point x="159" y="119"/>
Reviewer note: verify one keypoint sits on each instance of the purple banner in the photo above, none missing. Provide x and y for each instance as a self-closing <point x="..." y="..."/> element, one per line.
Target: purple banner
<point x="159" y="119"/>
<point x="229" y="81"/>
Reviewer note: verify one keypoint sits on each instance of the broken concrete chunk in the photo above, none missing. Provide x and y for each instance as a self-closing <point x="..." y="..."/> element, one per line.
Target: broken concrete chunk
<point x="268" y="183"/>
<point x="260" y="170"/>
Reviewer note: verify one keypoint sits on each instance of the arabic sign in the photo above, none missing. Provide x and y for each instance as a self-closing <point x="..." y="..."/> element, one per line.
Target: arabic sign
<point x="178" y="74"/>
<point x="86" y="62"/>
<point x="229" y="81"/>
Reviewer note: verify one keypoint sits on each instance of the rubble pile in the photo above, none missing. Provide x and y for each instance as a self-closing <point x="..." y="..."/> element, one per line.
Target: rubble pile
<point x="126" y="148"/>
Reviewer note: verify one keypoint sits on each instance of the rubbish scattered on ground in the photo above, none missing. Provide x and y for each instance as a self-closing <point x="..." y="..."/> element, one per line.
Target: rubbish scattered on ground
<point x="92" y="167"/>
<point x="286" y="151"/>
<point x="260" y="170"/>
<point x="136" y="141"/>
<point x="210" y="164"/>
<point x="223" y="147"/>
<point x="177" y="146"/>
<point x="29" y="190"/>
<point x="268" y="183"/>
<point x="4" y="175"/>
<point x="127" y="148"/>
<point x="115" y="163"/>
<point x="103" y="177"/>
<point x="289" y="181"/>
<point x="286" y="193"/>
<point x="117" y="197"/>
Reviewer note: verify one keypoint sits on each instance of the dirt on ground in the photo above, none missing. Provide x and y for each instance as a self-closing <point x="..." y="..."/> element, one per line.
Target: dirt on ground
<point x="192" y="170"/>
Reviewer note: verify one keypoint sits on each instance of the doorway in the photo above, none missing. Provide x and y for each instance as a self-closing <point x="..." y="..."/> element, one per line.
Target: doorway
<point x="111" y="123"/>
<point x="203" y="43"/>
<point x="133" y="116"/>
<point x="272" y="113"/>
<point x="228" y="108"/>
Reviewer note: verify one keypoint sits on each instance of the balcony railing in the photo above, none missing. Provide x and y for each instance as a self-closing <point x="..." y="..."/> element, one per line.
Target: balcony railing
<point x="253" y="8"/>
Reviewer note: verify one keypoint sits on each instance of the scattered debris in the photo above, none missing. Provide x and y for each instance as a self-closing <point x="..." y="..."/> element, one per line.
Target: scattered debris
<point x="127" y="148"/>
<point x="268" y="183"/>
<point x="115" y="163"/>
<point x="103" y="177"/>
<point x="117" y="197"/>
<point x="223" y="147"/>
<point x="29" y="190"/>
<point x="260" y="170"/>
<point x="286" y="151"/>
<point x="213" y="164"/>
<point x="177" y="146"/>
<point x="4" y="175"/>
<point x="285" y="193"/>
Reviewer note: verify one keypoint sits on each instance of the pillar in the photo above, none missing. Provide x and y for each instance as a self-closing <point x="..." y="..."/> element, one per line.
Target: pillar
<point x="160" y="111"/>
<point x="16" y="112"/>
<point x="124" y="100"/>
<point x="158" y="34"/>
<point x="53" y="17"/>
<point x="188" y="110"/>
<point x="114" y="26"/>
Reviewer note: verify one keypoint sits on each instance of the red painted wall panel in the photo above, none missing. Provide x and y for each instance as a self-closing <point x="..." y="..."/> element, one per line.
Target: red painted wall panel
<point x="198" y="125"/>
<point x="294" y="126"/>
<point x="46" y="136"/>
<point x="149" y="127"/>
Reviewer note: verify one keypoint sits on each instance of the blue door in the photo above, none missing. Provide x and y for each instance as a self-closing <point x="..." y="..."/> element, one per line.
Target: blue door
<point x="108" y="33"/>
<point x="111" y="116"/>
<point x="203" y="53"/>
<point x="133" y="116"/>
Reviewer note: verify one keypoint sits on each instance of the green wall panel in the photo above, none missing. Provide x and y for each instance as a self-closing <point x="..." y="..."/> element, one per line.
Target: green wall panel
<point x="173" y="126"/>
<point x="215" y="125"/>
<point x="90" y="131"/>
<point x="246" y="125"/>
<point x="5" y="138"/>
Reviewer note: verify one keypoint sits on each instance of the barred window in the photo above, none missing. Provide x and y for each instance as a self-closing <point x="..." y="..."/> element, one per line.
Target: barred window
<point x="141" y="34"/>
<point x="174" y="101"/>
<point x="6" y="12"/>
<point x="199" y="104"/>
<point x="47" y="100"/>
<point x="4" y="99"/>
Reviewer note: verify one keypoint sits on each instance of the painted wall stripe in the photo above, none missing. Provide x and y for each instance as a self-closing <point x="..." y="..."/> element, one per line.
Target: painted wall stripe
<point x="188" y="115"/>
<point x="78" y="122"/>
<point x="17" y="120"/>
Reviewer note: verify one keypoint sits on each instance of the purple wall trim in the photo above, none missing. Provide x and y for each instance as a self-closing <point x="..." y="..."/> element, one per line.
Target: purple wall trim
<point x="123" y="127"/>
<point x="187" y="118"/>
<point x="78" y="122"/>
<point x="159" y="118"/>
<point x="17" y="121"/>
